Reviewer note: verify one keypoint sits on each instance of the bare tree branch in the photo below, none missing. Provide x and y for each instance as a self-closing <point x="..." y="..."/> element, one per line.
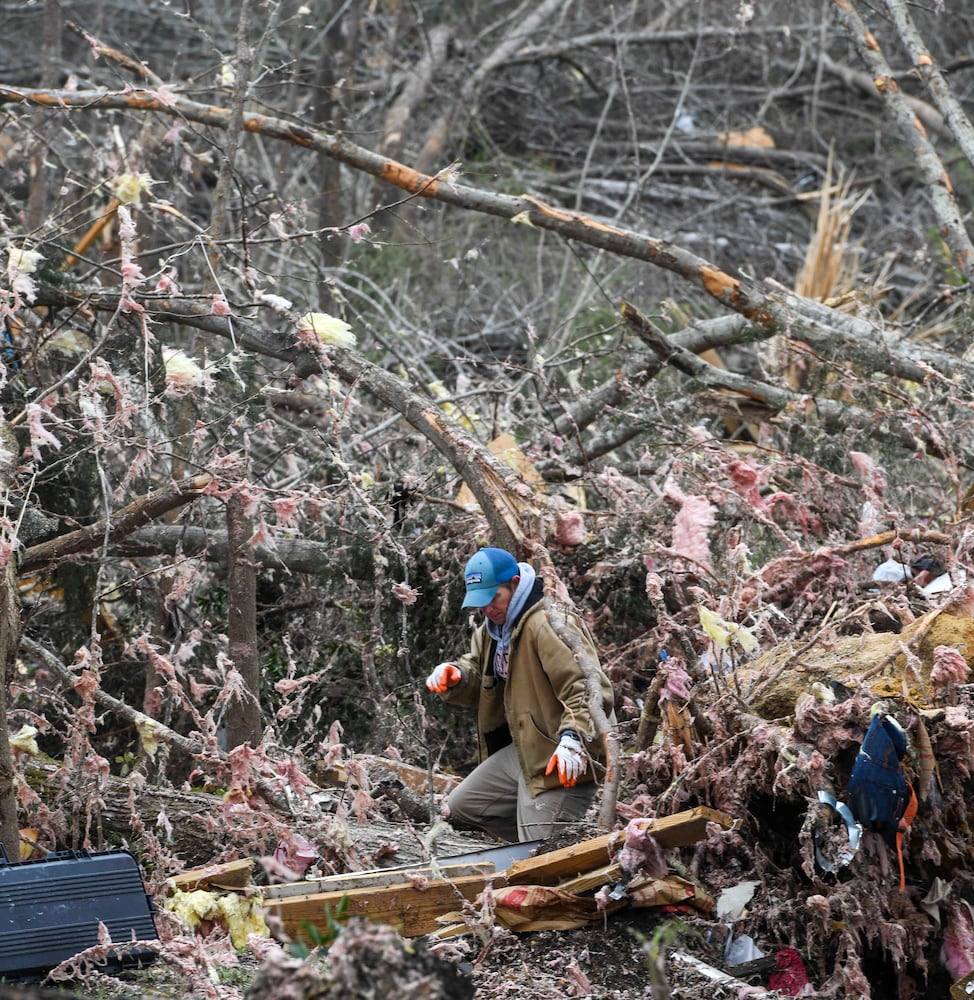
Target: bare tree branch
<point x="503" y="496"/>
<point x="740" y="294"/>
<point x="298" y="555"/>
<point x="863" y="82"/>
<point x="915" y="135"/>
<point x="952" y="110"/>
<point x="198" y="748"/>
<point x="418" y="81"/>
<point x="833" y="415"/>
<point x="136" y="514"/>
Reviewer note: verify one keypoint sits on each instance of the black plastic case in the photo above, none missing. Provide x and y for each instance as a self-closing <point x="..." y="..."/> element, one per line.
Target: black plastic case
<point x="50" y="910"/>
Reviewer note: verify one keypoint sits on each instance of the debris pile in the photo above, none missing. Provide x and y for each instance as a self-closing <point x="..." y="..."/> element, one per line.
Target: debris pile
<point x="806" y="817"/>
<point x="848" y="762"/>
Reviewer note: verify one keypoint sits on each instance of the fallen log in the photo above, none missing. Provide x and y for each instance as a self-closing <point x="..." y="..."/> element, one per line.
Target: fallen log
<point x="197" y="829"/>
<point x="188" y="838"/>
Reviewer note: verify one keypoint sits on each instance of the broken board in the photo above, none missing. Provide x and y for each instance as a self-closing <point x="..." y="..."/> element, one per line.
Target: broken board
<point x="410" y="909"/>
<point x="413" y="906"/>
<point x="678" y="830"/>
<point x="228" y="875"/>
<point x="375" y="879"/>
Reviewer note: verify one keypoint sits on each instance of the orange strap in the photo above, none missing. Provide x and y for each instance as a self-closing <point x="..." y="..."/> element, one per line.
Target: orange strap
<point x="905" y="820"/>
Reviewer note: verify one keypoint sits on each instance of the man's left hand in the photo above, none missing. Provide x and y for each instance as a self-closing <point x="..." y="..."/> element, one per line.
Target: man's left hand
<point x="569" y="758"/>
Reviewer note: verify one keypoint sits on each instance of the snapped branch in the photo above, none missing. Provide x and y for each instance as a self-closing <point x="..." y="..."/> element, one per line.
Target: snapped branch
<point x="143" y="510"/>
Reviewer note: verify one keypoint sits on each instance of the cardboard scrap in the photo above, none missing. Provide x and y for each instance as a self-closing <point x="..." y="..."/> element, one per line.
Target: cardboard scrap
<point x="542" y="908"/>
<point x="671" y="891"/>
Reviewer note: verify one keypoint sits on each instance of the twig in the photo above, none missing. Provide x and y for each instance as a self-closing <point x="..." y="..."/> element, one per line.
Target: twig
<point x="106" y="51"/>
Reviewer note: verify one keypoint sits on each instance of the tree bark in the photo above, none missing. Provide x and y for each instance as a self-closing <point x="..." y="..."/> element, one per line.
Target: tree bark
<point x="242" y="68"/>
<point x="243" y="723"/>
<point x="10" y="628"/>
<point x="299" y="555"/>
<point x="953" y="112"/>
<point x="193" y="841"/>
<point x="10" y="632"/>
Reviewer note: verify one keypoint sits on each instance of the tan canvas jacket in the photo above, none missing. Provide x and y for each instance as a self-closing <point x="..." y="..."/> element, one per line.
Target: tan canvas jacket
<point x="544" y="694"/>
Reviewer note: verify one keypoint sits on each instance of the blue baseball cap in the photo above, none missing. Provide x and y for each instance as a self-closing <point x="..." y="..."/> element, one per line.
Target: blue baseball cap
<point x="484" y="571"/>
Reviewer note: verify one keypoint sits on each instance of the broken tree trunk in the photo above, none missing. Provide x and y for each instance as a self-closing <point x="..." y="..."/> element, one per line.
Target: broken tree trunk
<point x="10" y="630"/>
<point x="242" y="717"/>
<point x="200" y="830"/>
<point x="140" y="512"/>
<point x="193" y="818"/>
<point x="9" y="638"/>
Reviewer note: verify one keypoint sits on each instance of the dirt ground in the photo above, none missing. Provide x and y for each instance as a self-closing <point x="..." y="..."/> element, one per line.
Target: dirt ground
<point x="613" y="960"/>
<point x="627" y="957"/>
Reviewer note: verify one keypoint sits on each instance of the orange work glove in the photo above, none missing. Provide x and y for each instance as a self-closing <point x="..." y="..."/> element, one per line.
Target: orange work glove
<point x="444" y="676"/>
<point x="569" y="758"/>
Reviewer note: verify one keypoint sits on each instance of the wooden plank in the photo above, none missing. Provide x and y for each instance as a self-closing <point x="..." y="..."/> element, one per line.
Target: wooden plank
<point x="678" y="830"/>
<point x="229" y="875"/>
<point x="374" y="879"/>
<point x="414" y="911"/>
<point x="409" y="910"/>
<point x="594" y="879"/>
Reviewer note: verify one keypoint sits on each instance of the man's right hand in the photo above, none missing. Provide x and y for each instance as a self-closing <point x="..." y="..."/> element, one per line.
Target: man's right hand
<point x="444" y="676"/>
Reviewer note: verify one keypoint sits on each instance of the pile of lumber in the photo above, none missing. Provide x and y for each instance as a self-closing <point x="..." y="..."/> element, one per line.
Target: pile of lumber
<point x="550" y="890"/>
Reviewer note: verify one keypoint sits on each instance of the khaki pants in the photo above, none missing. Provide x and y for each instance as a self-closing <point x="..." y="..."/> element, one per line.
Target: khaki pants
<point x="495" y="797"/>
